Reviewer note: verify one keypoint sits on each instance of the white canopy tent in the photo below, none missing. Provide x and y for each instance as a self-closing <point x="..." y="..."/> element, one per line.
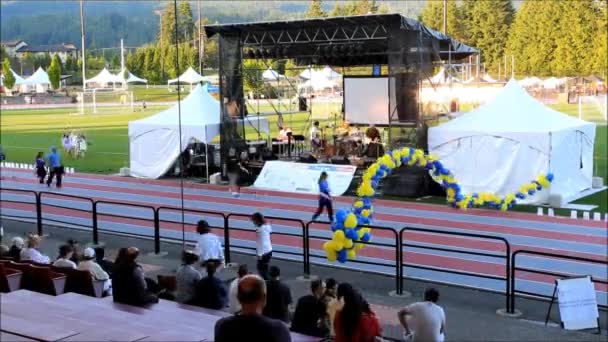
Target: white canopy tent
<point x="317" y="81"/>
<point x="443" y="77"/>
<point x="18" y="79"/>
<point x="530" y="81"/>
<point x="39" y="80"/>
<point x="553" y="82"/>
<point x="307" y="73"/>
<point x="488" y="78"/>
<point x="104" y="78"/>
<point x="131" y="79"/>
<point x="330" y="74"/>
<point x="189" y="76"/>
<point x="271" y="75"/>
<point x="154" y="141"/>
<point x="510" y="140"/>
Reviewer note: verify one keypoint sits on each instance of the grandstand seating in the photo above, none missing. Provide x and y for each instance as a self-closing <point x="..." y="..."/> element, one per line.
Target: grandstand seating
<point x="75" y="317"/>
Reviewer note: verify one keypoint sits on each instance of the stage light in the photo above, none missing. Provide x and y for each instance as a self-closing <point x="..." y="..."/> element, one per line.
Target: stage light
<point x="258" y="53"/>
<point x="335" y="50"/>
<point x="250" y="53"/>
<point x="319" y="50"/>
<point x="285" y="52"/>
<point x="277" y="52"/>
<point x="268" y="53"/>
<point x="327" y="49"/>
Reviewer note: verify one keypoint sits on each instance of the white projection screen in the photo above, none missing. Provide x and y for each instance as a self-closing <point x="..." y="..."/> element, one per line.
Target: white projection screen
<point x="366" y="100"/>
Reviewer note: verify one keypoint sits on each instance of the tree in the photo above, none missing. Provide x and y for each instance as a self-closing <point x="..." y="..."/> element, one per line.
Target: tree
<point x="600" y="44"/>
<point x="315" y="10"/>
<point x="9" y="78"/>
<point x="432" y="16"/>
<point x="252" y="75"/>
<point x="167" y="32"/>
<point x="487" y="25"/>
<point x="54" y="72"/>
<point x="184" y="21"/>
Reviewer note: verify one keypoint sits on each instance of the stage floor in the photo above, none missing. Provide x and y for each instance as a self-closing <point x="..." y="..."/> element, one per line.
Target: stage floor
<point x="563" y="236"/>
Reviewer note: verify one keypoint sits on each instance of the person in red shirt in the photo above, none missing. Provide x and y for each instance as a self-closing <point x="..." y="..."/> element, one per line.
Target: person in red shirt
<point x="355" y="322"/>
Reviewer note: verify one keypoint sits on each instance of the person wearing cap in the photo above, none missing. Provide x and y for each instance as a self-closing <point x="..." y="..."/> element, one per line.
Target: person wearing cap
<point x="88" y="264"/>
<point x="187" y="278"/>
<point x="250" y="325"/>
<point x="208" y="246"/>
<point x="17" y="245"/>
<point x="31" y="253"/>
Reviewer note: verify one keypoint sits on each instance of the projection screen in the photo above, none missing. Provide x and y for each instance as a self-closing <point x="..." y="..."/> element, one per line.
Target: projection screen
<point x="366" y="100"/>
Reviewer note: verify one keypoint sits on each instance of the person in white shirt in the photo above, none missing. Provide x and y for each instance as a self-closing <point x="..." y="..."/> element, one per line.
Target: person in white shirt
<point x="263" y="244"/>
<point x="315" y="135"/>
<point x="208" y="246"/>
<point x="233" y="300"/>
<point x="428" y="319"/>
<point x="88" y="264"/>
<point x="65" y="254"/>
<point x="31" y="253"/>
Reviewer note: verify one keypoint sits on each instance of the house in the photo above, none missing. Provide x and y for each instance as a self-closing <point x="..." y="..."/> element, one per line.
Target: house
<point x="11" y="46"/>
<point x="63" y="50"/>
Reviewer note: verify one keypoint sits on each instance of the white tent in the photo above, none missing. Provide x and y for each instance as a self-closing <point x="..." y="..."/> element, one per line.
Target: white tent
<point x="530" y="82"/>
<point x="271" y="75"/>
<point x="131" y="79"/>
<point x="104" y="78"/>
<point x="488" y="78"/>
<point x="443" y="77"/>
<point x="330" y="74"/>
<point x="154" y="141"/>
<point x="18" y="79"/>
<point x="189" y="76"/>
<point x="318" y="81"/>
<point x="553" y="82"/>
<point x="39" y="80"/>
<point x="510" y="140"/>
<point x="307" y="73"/>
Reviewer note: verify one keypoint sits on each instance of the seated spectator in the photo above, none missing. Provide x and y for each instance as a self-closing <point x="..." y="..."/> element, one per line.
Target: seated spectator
<point x="31" y="253"/>
<point x="331" y="301"/>
<point x="355" y="322"/>
<point x="187" y="278"/>
<point x="209" y="247"/>
<point x="210" y="292"/>
<point x="310" y="317"/>
<point x="428" y="319"/>
<point x="16" y="247"/>
<point x="65" y="254"/>
<point x="77" y="254"/>
<point x="88" y="264"/>
<point x="105" y="264"/>
<point x="250" y="324"/>
<point x="233" y="301"/>
<point x="278" y="297"/>
<point x="129" y="285"/>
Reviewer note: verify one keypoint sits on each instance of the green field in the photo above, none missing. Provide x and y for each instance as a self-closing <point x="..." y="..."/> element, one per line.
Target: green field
<point x="25" y="132"/>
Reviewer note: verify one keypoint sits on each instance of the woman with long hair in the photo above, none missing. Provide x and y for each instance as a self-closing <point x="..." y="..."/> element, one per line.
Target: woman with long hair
<point x="355" y="322"/>
<point x="40" y="167"/>
<point x="324" y="198"/>
<point x="263" y="243"/>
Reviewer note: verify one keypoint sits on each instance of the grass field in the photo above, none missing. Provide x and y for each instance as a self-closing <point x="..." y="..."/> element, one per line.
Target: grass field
<point x="25" y="132"/>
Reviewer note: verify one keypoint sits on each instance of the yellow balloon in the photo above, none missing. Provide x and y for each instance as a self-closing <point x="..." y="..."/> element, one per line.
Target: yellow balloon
<point x="366" y="212"/>
<point x="358" y="246"/>
<point x="327" y="246"/>
<point x="351" y="254"/>
<point x="450" y="192"/>
<point x="358" y="204"/>
<point x="351" y="221"/>
<point x="348" y="243"/>
<point x="330" y="246"/>
<point x="331" y="255"/>
<point x="339" y="236"/>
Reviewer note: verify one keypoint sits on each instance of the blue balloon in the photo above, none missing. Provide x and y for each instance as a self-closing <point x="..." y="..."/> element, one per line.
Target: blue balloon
<point x="520" y="195"/>
<point x="363" y="220"/>
<point x="337" y="226"/>
<point x="342" y="257"/>
<point x="365" y="237"/>
<point x="549" y="177"/>
<point x="349" y="233"/>
<point x="531" y="192"/>
<point x="341" y="215"/>
<point x="383" y="167"/>
<point x="459" y="197"/>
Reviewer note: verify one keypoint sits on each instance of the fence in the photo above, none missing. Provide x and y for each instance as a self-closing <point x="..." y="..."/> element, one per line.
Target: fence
<point x="294" y="230"/>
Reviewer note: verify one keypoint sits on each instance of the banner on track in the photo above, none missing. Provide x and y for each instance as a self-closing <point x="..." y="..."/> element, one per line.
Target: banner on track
<point x="303" y="178"/>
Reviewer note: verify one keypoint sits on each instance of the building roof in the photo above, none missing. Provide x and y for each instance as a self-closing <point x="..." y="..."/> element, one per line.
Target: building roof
<point x="11" y="42"/>
<point x="48" y="48"/>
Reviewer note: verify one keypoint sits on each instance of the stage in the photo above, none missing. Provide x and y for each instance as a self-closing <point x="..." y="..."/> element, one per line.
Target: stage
<point x="563" y="236"/>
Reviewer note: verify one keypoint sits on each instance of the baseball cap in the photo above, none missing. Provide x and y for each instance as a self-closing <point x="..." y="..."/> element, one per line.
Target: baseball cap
<point x="89" y="253"/>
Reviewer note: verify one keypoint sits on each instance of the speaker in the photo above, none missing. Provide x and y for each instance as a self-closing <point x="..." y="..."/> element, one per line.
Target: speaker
<point x="308" y="159"/>
<point x="302" y="104"/>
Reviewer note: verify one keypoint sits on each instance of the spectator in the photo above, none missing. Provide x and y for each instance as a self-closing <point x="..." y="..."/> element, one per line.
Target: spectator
<point x="263" y="243"/>
<point x="310" y="317"/>
<point x="278" y="298"/>
<point x="88" y="264"/>
<point x="209" y="247"/>
<point x="129" y="286"/>
<point x="65" y="254"/>
<point x="187" y="278"/>
<point x="355" y="322"/>
<point x="31" y="253"/>
<point x="4" y="250"/>
<point x="77" y="254"/>
<point x="428" y="318"/>
<point x="330" y="290"/>
<point x="105" y="264"/>
<point x="210" y="292"/>
<point x="16" y="247"/>
<point x="40" y="167"/>
<point x="250" y="324"/>
<point x="55" y="167"/>
<point x="331" y="301"/>
<point x="233" y="301"/>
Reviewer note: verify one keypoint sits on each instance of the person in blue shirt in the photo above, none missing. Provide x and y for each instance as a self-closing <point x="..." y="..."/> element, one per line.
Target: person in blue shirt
<point x="324" y="198"/>
<point x="55" y="166"/>
<point x="40" y="167"/>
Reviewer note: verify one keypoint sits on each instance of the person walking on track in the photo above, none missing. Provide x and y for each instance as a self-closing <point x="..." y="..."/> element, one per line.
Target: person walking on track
<point x="324" y="198"/>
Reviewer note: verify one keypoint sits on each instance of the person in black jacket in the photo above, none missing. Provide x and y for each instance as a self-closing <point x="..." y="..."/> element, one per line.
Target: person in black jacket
<point x="310" y="317"/>
<point x="210" y="292"/>
<point x="128" y="282"/>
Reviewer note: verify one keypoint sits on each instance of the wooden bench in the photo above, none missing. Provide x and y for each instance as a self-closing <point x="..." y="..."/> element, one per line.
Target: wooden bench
<point x="39" y="278"/>
<point x="7" y="337"/>
<point x="33" y="329"/>
<point x="81" y="282"/>
<point x="10" y="279"/>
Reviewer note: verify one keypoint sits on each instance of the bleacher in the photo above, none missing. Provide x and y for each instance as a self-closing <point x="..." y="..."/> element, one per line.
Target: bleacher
<point x="45" y="312"/>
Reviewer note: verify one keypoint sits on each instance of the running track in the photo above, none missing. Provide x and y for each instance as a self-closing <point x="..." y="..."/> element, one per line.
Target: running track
<point x="563" y="236"/>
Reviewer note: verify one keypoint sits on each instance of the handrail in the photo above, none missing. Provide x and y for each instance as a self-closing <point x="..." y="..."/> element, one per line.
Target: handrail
<point x="37" y="203"/>
<point x="398" y="288"/>
<point x="555" y="274"/>
<point x="56" y="194"/>
<point x="143" y="206"/>
<point x="506" y="256"/>
<point x="274" y="232"/>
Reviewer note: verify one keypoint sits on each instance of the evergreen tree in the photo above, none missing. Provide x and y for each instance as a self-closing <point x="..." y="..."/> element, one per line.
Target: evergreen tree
<point x="9" y="78"/>
<point x="185" y="22"/>
<point x="54" y="72"/>
<point x="487" y="25"/>
<point x="167" y="32"/>
<point x="315" y="10"/>
<point x="432" y="16"/>
<point x="600" y="43"/>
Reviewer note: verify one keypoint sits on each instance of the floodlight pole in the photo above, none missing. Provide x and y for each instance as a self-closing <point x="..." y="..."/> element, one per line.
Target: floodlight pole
<point x="82" y="44"/>
<point x="162" y="52"/>
<point x="200" y="39"/>
<point x="445" y="16"/>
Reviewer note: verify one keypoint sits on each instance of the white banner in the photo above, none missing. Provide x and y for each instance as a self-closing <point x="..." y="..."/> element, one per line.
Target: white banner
<point x="303" y="178"/>
<point x="577" y="303"/>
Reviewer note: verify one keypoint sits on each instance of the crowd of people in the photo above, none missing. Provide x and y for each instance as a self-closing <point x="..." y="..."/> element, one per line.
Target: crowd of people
<point x="55" y="167"/>
<point x="261" y="304"/>
<point x="74" y="144"/>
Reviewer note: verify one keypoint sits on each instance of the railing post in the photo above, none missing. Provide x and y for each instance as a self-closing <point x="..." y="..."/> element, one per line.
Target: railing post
<point x="399" y="263"/>
<point x="508" y="274"/>
<point x="226" y="238"/>
<point x="305" y="245"/>
<point x="512" y="306"/>
<point x="39" y="213"/>
<point x="156" y="232"/>
<point x="95" y="224"/>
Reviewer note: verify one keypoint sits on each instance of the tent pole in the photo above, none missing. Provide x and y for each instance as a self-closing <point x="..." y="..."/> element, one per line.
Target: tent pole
<point x="207" y="155"/>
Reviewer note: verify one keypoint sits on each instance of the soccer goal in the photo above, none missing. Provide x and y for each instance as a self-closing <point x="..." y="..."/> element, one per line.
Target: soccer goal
<point x="97" y="101"/>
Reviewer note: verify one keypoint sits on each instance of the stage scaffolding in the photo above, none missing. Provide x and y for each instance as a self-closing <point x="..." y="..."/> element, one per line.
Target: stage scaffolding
<point x="408" y="48"/>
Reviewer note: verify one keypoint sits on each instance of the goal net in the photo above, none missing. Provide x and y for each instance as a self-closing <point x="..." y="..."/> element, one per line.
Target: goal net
<point x="97" y="101"/>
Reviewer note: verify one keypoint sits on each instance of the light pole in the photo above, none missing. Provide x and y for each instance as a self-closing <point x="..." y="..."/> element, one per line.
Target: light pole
<point x="82" y="43"/>
<point x="200" y="39"/>
<point x="445" y="16"/>
<point x="160" y="38"/>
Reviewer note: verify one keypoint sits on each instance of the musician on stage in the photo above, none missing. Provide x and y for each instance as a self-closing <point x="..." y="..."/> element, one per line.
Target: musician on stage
<point x="315" y="135"/>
